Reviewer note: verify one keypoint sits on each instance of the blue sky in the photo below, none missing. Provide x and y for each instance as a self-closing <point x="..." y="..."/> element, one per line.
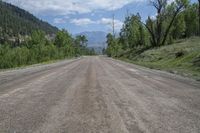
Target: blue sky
<point x="85" y="15"/>
<point x="99" y="20"/>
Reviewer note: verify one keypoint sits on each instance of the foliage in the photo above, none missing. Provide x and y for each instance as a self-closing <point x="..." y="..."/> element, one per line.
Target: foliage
<point x="16" y="21"/>
<point x="81" y="40"/>
<point x="191" y="20"/>
<point x="174" y="20"/>
<point x="179" y="27"/>
<point x="38" y="49"/>
<point x="114" y="48"/>
<point x="159" y="28"/>
<point x="62" y="39"/>
<point x="26" y="40"/>
<point x="133" y="33"/>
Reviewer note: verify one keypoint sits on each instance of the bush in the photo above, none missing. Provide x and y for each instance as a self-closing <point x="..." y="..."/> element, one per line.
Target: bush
<point x="37" y="49"/>
<point x="179" y="54"/>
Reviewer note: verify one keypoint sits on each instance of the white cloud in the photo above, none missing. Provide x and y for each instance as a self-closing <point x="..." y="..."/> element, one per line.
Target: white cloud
<point x="59" y="21"/>
<point x="108" y="22"/>
<point x="65" y="7"/>
<point x="82" y="21"/>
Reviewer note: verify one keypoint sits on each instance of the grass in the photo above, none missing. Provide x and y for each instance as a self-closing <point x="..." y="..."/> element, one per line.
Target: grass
<point x="182" y="57"/>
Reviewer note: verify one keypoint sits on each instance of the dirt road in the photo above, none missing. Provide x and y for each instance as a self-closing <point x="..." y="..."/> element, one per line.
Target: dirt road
<point x="97" y="95"/>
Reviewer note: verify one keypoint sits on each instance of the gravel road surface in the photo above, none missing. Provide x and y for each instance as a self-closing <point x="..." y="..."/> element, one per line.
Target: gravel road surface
<point x="97" y="95"/>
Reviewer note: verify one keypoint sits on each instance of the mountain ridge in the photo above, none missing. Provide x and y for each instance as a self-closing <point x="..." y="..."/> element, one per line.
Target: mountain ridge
<point x="16" y="21"/>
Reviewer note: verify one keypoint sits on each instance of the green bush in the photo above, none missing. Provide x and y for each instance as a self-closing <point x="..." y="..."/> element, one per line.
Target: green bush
<point x="37" y="49"/>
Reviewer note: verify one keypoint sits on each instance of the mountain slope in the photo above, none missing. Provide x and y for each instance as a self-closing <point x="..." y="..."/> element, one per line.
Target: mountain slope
<point x="15" y="21"/>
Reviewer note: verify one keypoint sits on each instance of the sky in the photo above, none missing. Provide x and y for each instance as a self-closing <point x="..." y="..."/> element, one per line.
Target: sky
<point x="85" y="15"/>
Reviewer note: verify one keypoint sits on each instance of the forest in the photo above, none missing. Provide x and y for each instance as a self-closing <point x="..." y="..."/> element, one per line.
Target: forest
<point x="37" y="48"/>
<point x="173" y="21"/>
<point x="16" y="22"/>
<point x="26" y="40"/>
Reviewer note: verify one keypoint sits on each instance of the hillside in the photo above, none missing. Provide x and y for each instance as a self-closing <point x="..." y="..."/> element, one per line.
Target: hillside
<point x="15" y="21"/>
<point x="182" y="57"/>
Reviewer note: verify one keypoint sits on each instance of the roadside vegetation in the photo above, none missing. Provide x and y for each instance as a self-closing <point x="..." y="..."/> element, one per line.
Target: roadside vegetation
<point x="165" y="41"/>
<point x="182" y="57"/>
<point x="37" y="48"/>
<point x="27" y="40"/>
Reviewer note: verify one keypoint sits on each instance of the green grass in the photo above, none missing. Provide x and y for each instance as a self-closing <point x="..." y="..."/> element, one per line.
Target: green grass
<point x="166" y="58"/>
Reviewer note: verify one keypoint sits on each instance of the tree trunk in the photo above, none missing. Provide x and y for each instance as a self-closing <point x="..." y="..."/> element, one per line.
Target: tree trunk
<point x="170" y="25"/>
<point x="199" y="17"/>
<point x="159" y="27"/>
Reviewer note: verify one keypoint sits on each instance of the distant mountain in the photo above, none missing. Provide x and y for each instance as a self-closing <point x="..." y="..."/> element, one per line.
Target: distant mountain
<point x="96" y="39"/>
<point x="15" y="21"/>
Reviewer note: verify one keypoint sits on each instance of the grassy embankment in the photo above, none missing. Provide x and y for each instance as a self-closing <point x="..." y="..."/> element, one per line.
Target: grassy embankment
<point x="182" y="57"/>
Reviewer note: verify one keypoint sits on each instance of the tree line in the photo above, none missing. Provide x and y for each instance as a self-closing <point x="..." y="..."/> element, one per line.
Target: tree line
<point x="38" y="48"/>
<point x="174" y="20"/>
